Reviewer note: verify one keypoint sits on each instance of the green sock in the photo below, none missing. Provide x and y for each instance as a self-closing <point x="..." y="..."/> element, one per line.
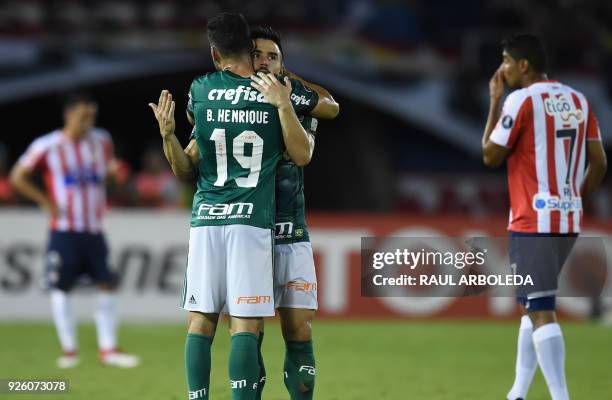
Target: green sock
<point x="244" y="366"/>
<point x="197" y="365"/>
<point x="300" y="370"/>
<point x="262" y="368"/>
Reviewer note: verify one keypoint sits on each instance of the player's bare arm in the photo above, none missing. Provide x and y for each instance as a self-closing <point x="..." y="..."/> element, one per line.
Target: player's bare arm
<point x="193" y="152"/>
<point x="299" y="143"/>
<point x="190" y="119"/>
<point x="597" y="165"/>
<point x="21" y="180"/>
<point x="492" y="153"/>
<point x="179" y="160"/>
<point x="327" y="107"/>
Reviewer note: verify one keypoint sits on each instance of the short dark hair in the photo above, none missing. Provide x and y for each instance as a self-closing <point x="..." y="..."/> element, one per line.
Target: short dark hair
<point x="229" y="33"/>
<point x="267" y="33"/>
<point x="529" y="47"/>
<point x="73" y="98"/>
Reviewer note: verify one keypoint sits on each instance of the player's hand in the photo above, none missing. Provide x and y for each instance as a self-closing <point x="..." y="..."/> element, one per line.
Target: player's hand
<point x="164" y="113"/>
<point x="275" y="92"/>
<point x="496" y="85"/>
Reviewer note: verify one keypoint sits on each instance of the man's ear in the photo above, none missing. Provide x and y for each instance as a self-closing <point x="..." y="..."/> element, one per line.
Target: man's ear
<point x="523" y="65"/>
<point x="214" y="54"/>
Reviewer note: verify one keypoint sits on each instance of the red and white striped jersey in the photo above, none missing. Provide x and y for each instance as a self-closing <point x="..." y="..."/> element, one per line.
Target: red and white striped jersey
<point x="74" y="175"/>
<point x="546" y="125"/>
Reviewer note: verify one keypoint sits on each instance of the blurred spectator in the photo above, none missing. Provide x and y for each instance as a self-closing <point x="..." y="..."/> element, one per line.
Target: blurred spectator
<point x="119" y="193"/>
<point x="7" y="195"/>
<point x="155" y="184"/>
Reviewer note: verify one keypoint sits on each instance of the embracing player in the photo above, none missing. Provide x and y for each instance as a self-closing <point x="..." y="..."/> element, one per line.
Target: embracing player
<point x="550" y="137"/>
<point x="75" y="161"/>
<point x="238" y="138"/>
<point x="295" y="282"/>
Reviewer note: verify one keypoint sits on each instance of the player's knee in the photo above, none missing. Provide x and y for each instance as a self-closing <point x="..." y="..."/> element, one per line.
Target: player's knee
<point x="296" y="324"/>
<point x="541" y="311"/>
<point x="248" y="325"/>
<point x="203" y="324"/>
<point x="297" y="331"/>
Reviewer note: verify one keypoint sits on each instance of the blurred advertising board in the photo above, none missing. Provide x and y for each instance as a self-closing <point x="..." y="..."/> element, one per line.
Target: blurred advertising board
<point x="149" y="250"/>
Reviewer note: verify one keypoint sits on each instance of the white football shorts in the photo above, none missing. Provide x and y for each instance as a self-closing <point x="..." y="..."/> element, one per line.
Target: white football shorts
<point x="295" y="278"/>
<point x="230" y="267"/>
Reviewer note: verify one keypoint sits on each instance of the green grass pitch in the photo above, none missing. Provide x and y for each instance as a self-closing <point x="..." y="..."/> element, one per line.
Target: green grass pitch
<point x="355" y="360"/>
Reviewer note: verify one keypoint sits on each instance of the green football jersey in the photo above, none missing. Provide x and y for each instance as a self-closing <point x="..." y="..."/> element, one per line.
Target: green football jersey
<point x="240" y="140"/>
<point x="290" y="203"/>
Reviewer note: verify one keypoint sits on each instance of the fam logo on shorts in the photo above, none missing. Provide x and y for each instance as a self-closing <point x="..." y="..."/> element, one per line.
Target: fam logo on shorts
<point x="253" y="299"/>
<point x="302" y="286"/>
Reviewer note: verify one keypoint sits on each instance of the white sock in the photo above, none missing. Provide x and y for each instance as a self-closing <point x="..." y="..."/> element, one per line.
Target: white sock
<point x="526" y="361"/>
<point x="549" y="346"/>
<point x="106" y="322"/>
<point x="64" y="321"/>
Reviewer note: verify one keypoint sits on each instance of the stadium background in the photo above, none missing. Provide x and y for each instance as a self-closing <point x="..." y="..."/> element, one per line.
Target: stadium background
<point x="403" y="156"/>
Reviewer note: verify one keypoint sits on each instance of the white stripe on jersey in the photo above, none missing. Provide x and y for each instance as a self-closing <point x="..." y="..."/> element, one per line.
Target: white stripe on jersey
<point x="541" y="159"/>
<point x="75" y="191"/>
<point x="59" y="187"/>
<point x="561" y="166"/>
<point x="87" y="158"/>
<point x="77" y="185"/>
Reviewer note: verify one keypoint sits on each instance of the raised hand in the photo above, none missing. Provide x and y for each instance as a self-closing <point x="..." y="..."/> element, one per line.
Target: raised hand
<point x="496" y="85"/>
<point x="164" y="113"/>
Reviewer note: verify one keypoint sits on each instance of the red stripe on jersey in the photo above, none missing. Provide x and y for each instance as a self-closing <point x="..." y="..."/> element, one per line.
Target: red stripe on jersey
<point x="82" y="183"/>
<point x="555" y="216"/>
<point x="521" y="119"/>
<point x="522" y="176"/>
<point x="69" y="190"/>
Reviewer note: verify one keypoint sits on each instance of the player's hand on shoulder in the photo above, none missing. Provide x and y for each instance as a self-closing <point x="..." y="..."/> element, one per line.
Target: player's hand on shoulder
<point x="277" y="93"/>
<point x="164" y="113"/>
<point x="496" y="85"/>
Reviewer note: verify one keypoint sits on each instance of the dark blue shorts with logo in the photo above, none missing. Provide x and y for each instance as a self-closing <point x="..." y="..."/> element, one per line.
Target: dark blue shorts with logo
<point x="75" y="256"/>
<point x="541" y="256"/>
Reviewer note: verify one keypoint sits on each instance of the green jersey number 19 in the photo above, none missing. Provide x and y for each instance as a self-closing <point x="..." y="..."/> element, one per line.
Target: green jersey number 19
<point x="252" y="162"/>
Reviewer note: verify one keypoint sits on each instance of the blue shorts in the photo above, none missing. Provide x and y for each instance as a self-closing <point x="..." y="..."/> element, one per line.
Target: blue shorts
<point x="73" y="255"/>
<point x="541" y="256"/>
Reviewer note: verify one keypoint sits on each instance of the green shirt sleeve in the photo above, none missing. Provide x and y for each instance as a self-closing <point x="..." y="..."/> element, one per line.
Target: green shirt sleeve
<point x="309" y="123"/>
<point x="303" y="98"/>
